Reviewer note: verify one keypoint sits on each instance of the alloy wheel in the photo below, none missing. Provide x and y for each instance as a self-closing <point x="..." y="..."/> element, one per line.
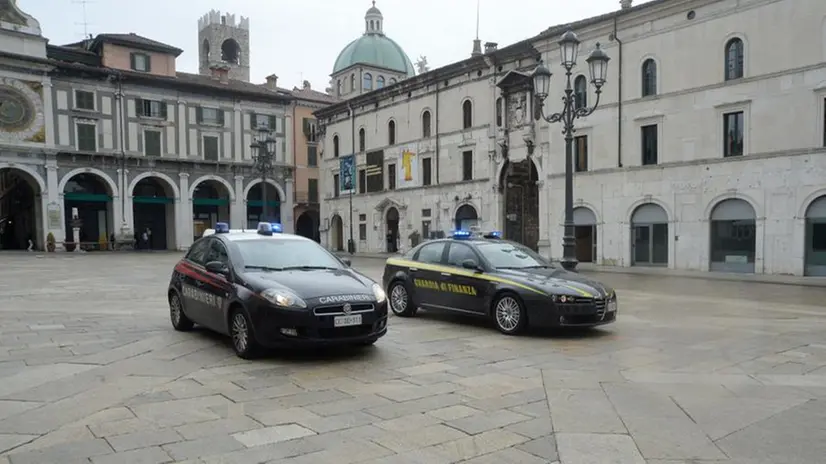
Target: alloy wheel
<point x="508" y="314"/>
<point x="240" y="332"/>
<point x="398" y="299"/>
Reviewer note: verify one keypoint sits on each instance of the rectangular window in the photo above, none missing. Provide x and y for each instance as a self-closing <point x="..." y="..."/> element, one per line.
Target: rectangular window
<point x="263" y="121"/>
<point x="425" y="230"/>
<point x="310" y="127"/>
<point x="141" y="62"/>
<point x="362" y="231"/>
<point x="467" y="165"/>
<point x="312" y="156"/>
<point x="150" y="108"/>
<point x="362" y="181"/>
<point x="335" y="186"/>
<point x="210" y="116"/>
<point x="733" y="134"/>
<point x="391" y="176"/>
<point x="426" y="171"/>
<point x="649" y="144"/>
<point x="152" y="143"/>
<point x="363" y="217"/>
<point x="84" y="100"/>
<point x="426" y="212"/>
<point x="211" y="152"/>
<point x="87" y="136"/>
<point x="581" y="153"/>
<point x="312" y="190"/>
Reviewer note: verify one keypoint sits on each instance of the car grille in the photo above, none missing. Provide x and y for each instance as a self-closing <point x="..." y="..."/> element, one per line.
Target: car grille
<point x="599" y="304"/>
<point x="580" y="305"/>
<point x="338" y="310"/>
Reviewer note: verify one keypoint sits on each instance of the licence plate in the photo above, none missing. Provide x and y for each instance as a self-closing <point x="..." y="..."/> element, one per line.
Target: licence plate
<point x="347" y="321"/>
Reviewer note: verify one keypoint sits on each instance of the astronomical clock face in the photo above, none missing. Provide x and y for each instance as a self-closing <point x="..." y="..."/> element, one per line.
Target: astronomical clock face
<point x="21" y="111"/>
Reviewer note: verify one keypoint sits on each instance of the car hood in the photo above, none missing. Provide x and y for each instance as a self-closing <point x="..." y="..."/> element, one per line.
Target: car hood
<point x="314" y="283"/>
<point x="558" y="281"/>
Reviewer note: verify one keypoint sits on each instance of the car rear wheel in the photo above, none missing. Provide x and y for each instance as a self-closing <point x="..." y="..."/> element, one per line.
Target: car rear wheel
<point x="176" y="314"/>
<point x="243" y="340"/>
<point x="509" y="314"/>
<point x="400" y="302"/>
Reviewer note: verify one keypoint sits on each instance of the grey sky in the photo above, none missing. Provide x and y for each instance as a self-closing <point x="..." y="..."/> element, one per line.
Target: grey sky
<point x="300" y="39"/>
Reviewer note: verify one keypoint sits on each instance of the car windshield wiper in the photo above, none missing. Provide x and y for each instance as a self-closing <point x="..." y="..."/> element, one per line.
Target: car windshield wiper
<point x="307" y="268"/>
<point x="265" y="268"/>
<point x="538" y="266"/>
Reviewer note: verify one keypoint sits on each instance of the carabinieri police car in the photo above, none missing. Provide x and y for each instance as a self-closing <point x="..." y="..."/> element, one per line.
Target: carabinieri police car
<point x="266" y="288"/>
<point x="486" y="276"/>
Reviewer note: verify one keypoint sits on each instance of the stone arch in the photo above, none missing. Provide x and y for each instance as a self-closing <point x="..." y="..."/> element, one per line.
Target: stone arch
<point x="231" y="51"/>
<point x="281" y="195"/>
<point x="585" y="212"/>
<point x="589" y="206"/>
<point x="656" y="201"/>
<point x="170" y="183"/>
<point x="41" y="183"/>
<point x="205" y="51"/>
<point x="503" y="172"/>
<point x="465" y="206"/>
<point x="758" y="212"/>
<point x="113" y="187"/>
<point x="218" y="179"/>
<point x="804" y="206"/>
<point x="335" y="233"/>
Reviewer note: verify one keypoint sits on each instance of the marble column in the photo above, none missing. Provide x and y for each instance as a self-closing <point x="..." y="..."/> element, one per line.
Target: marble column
<point x="183" y="137"/>
<point x="183" y="213"/>
<point x="238" y="209"/>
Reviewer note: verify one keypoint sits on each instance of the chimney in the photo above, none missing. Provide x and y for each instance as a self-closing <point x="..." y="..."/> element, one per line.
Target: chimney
<point x="307" y="85"/>
<point x="272" y="82"/>
<point x="220" y="72"/>
<point x="625" y="4"/>
<point x="490" y="47"/>
<point x="477" y="48"/>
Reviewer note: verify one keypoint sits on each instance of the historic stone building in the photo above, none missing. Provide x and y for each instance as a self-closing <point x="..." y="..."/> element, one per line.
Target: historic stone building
<point x="109" y="131"/>
<point x="706" y="151"/>
<point x="223" y="40"/>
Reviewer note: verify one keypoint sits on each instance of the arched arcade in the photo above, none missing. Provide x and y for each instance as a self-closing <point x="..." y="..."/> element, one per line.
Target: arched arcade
<point x="21" y="209"/>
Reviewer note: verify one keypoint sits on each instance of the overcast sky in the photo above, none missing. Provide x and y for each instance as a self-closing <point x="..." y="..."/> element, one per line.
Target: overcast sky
<point x="300" y="39"/>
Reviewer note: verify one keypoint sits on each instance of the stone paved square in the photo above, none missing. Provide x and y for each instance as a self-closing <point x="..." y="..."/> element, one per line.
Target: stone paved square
<point x="694" y="371"/>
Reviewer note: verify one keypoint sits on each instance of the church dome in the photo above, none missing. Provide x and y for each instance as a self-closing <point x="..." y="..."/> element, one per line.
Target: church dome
<point x="374" y="48"/>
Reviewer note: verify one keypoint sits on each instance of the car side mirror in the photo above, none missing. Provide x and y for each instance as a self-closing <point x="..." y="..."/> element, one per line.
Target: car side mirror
<point x="471" y="264"/>
<point x="217" y="267"/>
<point x="346" y="262"/>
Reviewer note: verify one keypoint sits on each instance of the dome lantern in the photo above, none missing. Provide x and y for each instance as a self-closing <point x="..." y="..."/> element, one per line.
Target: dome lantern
<point x="373" y="21"/>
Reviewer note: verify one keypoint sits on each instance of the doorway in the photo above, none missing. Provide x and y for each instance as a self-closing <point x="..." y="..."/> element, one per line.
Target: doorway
<point x="153" y="209"/>
<point x="337" y="227"/>
<point x="733" y="236"/>
<point x="816" y="238"/>
<point x="392" y="236"/>
<point x="521" y="202"/>
<point x="20" y="210"/>
<point x="466" y="218"/>
<point x="585" y="234"/>
<point x="649" y="236"/>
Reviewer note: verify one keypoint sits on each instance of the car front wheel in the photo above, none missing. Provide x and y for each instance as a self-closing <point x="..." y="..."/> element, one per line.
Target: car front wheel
<point x="176" y="314"/>
<point x="243" y="340"/>
<point x="509" y="314"/>
<point x="400" y="302"/>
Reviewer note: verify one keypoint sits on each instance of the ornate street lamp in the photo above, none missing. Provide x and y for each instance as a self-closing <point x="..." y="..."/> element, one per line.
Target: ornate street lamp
<point x="598" y="66"/>
<point x="263" y="152"/>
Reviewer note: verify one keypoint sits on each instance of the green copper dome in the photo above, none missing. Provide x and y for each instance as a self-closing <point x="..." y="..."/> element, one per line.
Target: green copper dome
<point x="374" y="48"/>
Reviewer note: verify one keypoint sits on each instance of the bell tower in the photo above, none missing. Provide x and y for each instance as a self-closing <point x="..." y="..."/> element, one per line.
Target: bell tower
<point x="224" y="41"/>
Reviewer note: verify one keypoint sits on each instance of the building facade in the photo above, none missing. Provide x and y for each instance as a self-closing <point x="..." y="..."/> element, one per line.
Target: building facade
<point x="707" y="155"/>
<point x="108" y="140"/>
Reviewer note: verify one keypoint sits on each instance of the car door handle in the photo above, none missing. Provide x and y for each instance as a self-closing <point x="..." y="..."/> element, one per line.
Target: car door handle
<point x="446" y="274"/>
<point x="198" y="283"/>
<point x="413" y="269"/>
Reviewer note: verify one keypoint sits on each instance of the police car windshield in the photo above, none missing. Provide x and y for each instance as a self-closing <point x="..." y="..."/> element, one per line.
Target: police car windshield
<point x="503" y="255"/>
<point x="279" y="255"/>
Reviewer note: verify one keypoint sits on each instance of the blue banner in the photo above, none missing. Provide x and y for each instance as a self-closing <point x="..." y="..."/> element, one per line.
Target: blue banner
<point x="347" y="174"/>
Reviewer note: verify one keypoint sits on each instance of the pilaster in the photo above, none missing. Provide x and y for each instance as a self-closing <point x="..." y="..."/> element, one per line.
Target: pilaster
<point x="288" y="205"/>
<point x="238" y="209"/>
<point x="48" y="109"/>
<point x="289" y="134"/>
<point x="52" y="207"/>
<point x="183" y="137"/>
<point x="183" y="213"/>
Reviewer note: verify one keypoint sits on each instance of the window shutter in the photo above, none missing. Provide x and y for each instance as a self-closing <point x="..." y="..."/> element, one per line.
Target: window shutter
<point x="253" y="121"/>
<point x="306" y="123"/>
<point x="148" y="63"/>
<point x="139" y="107"/>
<point x="199" y="115"/>
<point x="221" y="117"/>
<point x="163" y="110"/>
<point x="272" y="121"/>
<point x="132" y="63"/>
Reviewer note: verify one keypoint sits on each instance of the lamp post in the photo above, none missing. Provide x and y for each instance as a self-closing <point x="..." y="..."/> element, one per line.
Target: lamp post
<point x="598" y="66"/>
<point x="263" y="152"/>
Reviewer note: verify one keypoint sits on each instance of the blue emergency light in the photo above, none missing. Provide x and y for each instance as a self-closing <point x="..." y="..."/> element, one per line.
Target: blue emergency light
<point x="221" y="228"/>
<point x="276" y="228"/>
<point x="494" y="234"/>
<point x="268" y="228"/>
<point x="461" y="234"/>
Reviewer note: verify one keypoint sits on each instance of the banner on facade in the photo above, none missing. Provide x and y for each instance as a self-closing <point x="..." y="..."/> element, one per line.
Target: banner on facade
<point x="374" y="171"/>
<point x="347" y="174"/>
<point x="408" y="170"/>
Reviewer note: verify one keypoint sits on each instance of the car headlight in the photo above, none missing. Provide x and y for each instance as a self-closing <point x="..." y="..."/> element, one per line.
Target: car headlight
<point x="283" y="298"/>
<point x="378" y="292"/>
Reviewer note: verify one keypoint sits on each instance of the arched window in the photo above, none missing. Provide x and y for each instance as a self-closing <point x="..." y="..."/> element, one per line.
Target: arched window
<point x="467" y="114"/>
<point x="205" y="51"/>
<point x="380" y="82"/>
<point x="335" y="146"/>
<point x="580" y="92"/>
<point x="426" y="124"/>
<point x="352" y="81"/>
<point x="649" y="78"/>
<point x="499" y="112"/>
<point x="734" y="59"/>
<point x="391" y="132"/>
<point x="393" y="80"/>
<point x="361" y="139"/>
<point x="368" y="81"/>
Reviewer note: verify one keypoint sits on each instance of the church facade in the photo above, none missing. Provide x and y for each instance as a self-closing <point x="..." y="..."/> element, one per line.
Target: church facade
<point x="704" y="156"/>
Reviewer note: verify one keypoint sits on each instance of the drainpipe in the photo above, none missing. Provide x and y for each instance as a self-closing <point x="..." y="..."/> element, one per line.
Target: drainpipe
<point x="351" y="245"/>
<point x="619" y="94"/>
<point x="436" y="128"/>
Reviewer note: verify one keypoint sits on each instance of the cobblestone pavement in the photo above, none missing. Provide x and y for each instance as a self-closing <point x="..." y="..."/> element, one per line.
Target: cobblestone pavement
<point x="694" y="372"/>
